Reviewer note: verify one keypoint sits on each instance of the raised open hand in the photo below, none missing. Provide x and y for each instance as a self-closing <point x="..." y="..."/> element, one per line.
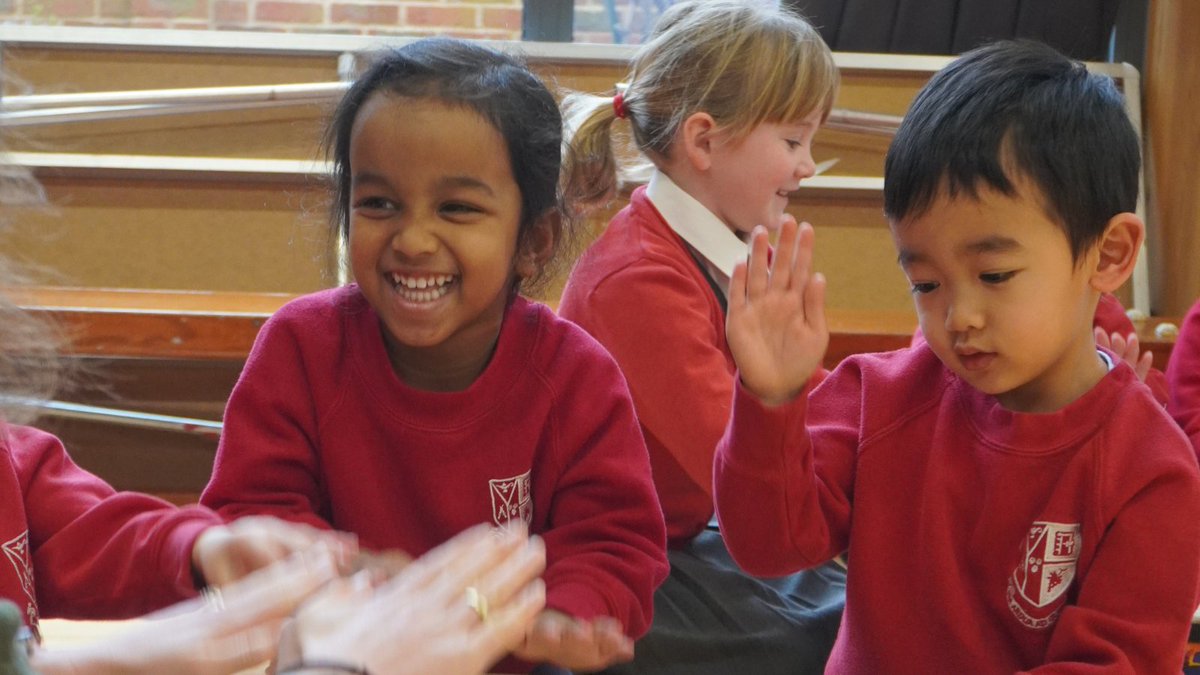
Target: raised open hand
<point x="776" y="324"/>
<point x="1128" y="349"/>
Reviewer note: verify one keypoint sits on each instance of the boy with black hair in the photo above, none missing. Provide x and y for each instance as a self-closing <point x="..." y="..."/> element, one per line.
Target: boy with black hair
<point x="1011" y="497"/>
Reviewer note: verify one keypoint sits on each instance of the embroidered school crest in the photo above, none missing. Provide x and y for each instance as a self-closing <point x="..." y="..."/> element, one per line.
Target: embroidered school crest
<point x="1036" y="588"/>
<point x="17" y="552"/>
<point x="511" y="499"/>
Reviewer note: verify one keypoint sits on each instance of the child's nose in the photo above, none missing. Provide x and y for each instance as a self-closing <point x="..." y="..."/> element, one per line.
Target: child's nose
<point x="806" y="167"/>
<point x="414" y="239"/>
<point x="964" y="314"/>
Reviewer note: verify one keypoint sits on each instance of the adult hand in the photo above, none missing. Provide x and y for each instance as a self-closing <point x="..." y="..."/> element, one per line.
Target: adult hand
<point x="776" y="325"/>
<point x="212" y="635"/>
<point x="576" y="645"/>
<point x="420" y="620"/>
<point x="226" y="553"/>
<point x="1128" y="349"/>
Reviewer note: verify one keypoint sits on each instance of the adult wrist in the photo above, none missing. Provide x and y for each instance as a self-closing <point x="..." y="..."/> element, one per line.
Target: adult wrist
<point x="324" y="667"/>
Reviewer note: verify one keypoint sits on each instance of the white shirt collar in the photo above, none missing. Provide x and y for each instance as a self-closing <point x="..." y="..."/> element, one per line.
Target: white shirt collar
<point x="695" y="224"/>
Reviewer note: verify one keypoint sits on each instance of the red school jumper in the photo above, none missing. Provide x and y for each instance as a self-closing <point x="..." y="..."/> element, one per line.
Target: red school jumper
<point x="75" y="548"/>
<point x="1183" y="377"/>
<point x="641" y="294"/>
<point x="319" y="429"/>
<point x="980" y="539"/>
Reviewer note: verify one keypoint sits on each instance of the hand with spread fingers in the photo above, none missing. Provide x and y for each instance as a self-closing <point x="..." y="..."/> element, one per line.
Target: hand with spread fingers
<point x="1129" y="349"/>
<point x="577" y="645"/>
<point x="776" y="324"/>
<point x="225" y="553"/>
<point x="213" y="635"/>
<point x="455" y="611"/>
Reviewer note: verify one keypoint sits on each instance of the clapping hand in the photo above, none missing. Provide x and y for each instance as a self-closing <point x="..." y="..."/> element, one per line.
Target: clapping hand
<point x="575" y="644"/>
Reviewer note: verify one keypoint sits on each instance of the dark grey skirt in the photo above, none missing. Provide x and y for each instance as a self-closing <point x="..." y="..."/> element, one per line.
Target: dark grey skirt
<point x="711" y="618"/>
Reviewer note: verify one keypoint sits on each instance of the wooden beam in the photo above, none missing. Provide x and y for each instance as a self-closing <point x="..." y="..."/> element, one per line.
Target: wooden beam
<point x="1173" y="145"/>
<point x="222" y="325"/>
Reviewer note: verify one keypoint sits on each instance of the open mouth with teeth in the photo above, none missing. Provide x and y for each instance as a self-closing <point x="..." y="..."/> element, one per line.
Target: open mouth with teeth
<point x="422" y="288"/>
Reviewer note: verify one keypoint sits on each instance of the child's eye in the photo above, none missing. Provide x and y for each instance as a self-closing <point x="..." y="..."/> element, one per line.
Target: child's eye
<point x="374" y="206"/>
<point x="460" y="209"/>
<point x="996" y="277"/>
<point x="793" y="143"/>
<point x="923" y="287"/>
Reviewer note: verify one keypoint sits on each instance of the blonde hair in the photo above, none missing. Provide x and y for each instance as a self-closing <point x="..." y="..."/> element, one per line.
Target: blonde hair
<point x="742" y="63"/>
<point x="30" y="368"/>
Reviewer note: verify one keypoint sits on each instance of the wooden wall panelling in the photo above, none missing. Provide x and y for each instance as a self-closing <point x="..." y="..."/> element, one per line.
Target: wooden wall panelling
<point x="1172" y="149"/>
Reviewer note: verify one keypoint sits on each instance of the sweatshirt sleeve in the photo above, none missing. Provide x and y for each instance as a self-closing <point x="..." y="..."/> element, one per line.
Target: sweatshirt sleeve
<point x="266" y="461"/>
<point x="678" y="375"/>
<point x="606" y="544"/>
<point x="99" y="553"/>
<point x="784" y="476"/>
<point x="1135" y="604"/>
<point x="1183" y="378"/>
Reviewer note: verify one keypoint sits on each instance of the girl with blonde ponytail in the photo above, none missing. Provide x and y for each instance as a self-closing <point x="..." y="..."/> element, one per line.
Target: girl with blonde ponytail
<point x="722" y="103"/>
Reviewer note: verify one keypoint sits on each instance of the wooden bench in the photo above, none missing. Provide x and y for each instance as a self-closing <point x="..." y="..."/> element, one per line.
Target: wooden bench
<point x="220" y="326"/>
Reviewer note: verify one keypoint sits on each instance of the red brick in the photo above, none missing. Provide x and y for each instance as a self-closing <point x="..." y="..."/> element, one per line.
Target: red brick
<point x="231" y="11"/>
<point x="194" y="9"/>
<point x="289" y="12"/>
<point x="374" y="15"/>
<point x="502" y="17"/>
<point x="68" y="9"/>
<point x="476" y="35"/>
<point x="120" y="9"/>
<point x="431" y="15"/>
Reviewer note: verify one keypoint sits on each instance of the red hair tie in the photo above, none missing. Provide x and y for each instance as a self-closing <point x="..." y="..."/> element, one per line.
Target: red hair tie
<point x="619" y="106"/>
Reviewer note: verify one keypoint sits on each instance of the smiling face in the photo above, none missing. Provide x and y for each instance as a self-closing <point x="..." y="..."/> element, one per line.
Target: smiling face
<point x="1000" y="299"/>
<point x="752" y="177"/>
<point x="434" y="219"/>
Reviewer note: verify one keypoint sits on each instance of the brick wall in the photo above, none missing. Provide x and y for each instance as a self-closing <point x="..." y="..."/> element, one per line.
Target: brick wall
<point x="488" y="19"/>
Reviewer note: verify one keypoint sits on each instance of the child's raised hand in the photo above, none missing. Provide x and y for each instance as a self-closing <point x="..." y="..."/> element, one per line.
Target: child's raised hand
<point x="226" y="553"/>
<point x="564" y="641"/>
<point x="1128" y="349"/>
<point x="776" y="324"/>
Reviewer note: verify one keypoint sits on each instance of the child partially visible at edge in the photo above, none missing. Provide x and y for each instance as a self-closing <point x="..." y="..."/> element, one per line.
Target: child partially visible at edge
<point x="429" y="395"/>
<point x="77" y="548"/>
<point x="1183" y="377"/>
<point x="1012" y="498"/>
<point x="725" y="100"/>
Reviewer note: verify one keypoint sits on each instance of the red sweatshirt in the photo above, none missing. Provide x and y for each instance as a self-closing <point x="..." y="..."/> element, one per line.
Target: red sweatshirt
<point x="1183" y="377"/>
<point x="980" y="539"/>
<point x="319" y="429"/>
<point x="75" y="548"/>
<point x="640" y="293"/>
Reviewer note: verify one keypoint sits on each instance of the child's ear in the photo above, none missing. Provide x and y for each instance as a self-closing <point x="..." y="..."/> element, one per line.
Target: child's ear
<point x="1117" y="252"/>
<point x="697" y="135"/>
<point x="537" y="245"/>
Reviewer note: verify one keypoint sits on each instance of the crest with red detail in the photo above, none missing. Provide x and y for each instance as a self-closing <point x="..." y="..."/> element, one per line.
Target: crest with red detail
<point x="1037" y="586"/>
<point x="17" y="552"/>
<point x="511" y="499"/>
